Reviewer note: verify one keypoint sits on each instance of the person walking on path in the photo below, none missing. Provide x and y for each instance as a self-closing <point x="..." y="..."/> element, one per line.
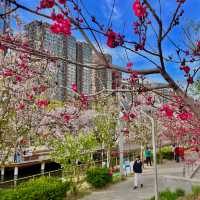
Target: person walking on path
<point x="177" y="153"/>
<point x="137" y="168"/>
<point x="148" y="156"/>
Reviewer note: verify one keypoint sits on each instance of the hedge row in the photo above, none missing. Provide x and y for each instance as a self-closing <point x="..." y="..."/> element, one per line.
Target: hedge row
<point x="179" y="194"/>
<point x="98" y="177"/>
<point x="44" y="188"/>
<point x="169" y="195"/>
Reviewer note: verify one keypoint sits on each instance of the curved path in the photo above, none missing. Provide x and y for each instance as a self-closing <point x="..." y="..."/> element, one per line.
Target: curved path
<point x="124" y="190"/>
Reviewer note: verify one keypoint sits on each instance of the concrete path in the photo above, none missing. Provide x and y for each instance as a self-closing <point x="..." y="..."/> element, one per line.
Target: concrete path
<point x="124" y="190"/>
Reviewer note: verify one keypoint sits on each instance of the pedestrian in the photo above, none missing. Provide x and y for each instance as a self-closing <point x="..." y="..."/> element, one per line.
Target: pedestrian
<point x="173" y="150"/>
<point x="15" y="157"/>
<point x="148" y="156"/>
<point x="176" y="150"/>
<point x="19" y="156"/>
<point x="181" y="153"/>
<point x="137" y="168"/>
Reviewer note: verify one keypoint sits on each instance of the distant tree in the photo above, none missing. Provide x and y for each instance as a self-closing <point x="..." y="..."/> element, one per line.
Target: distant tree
<point x="73" y="151"/>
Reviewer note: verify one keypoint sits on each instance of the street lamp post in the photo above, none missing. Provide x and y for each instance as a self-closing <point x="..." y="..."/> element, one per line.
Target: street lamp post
<point x="121" y="143"/>
<point x="121" y="151"/>
<point x="120" y="126"/>
<point x="153" y="128"/>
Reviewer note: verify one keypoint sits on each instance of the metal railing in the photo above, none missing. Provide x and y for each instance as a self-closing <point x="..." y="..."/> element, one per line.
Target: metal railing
<point x="55" y="173"/>
<point x="14" y="182"/>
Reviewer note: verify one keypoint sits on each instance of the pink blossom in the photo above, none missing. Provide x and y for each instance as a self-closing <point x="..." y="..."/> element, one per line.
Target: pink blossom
<point x="139" y="9"/>
<point x="184" y="116"/>
<point x="42" y="103"/>
<point x="168" y="111"/>
<point x="74" y="87"/>
<point x="186" y="69"/>
<point x="46" y="4"/>
<point x="125" y="117"/>
<point x="21" y="106"/>
<point x="129" y="65"/>
<point x="18" y="78"/>
<point x="8" y="72"/>
<point x="62" y="1"/>
<point x="111" y="38"/>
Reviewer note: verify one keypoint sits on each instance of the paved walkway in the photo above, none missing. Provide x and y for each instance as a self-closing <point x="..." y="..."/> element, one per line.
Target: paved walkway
<point x="124" y="190"/>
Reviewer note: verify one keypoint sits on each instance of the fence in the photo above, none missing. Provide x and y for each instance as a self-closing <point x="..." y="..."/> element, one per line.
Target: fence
<point x="55" y="173"/>
<point x="14" y="182"/>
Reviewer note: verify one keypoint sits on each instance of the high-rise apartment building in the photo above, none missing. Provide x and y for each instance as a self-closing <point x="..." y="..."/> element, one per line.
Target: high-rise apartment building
<point x="87" y="80"/>
<point x="116" y="79"/>
<point x="84" y="75"/>
<point x="42" y="38"/>
<point x="101" y="78"/>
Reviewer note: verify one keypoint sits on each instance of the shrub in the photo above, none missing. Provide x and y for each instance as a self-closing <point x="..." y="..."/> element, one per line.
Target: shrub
<point x="98" y="177"/>
<point x="116" y="177"/>
<point x="179" y="192"/>
<point x="43" y="188"/>
<point x="168" y="195"/>
<point x="196" y="191"/>
<point x="167" y="153"/>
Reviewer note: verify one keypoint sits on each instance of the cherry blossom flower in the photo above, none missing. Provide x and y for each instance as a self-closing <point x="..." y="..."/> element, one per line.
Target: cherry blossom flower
<point x="42" y="88"/>
<point x="66" y="117"/>
<point x="139" y="9"/>
<point x="184" y="116"/>
<point x="111" y="41"/>
<point x="21" y="106"/>
<point x="125" y="117"/>
<point x="149" y="100"/>
<point x="55" y="28"/>
<point x="84" y="101"/>
<point x="57" y="17"/>
<point x="30" y="97"/>
<point x="42" y="103"/>
<point x="62" y="1"/>
<point x="129" y="65"/>
<point x="46" y="4"/>
<point x="18" y="78"/>
<point x="186" y="69"/>
<point x="8" y="72"/>
<point x="132" y="115"/>
<point x="62" y="28"/>
<point x="168" y="111"/>
<point x="74" y="87"/>
<point x="190" y="80"/>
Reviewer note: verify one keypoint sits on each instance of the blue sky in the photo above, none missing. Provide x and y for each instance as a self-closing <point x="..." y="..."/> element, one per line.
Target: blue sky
<point x="122" y="21"/>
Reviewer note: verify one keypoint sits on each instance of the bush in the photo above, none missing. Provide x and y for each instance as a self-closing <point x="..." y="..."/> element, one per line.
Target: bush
<point x="179" y="192"/>
<point x="116" y="177"/>
<point x="168" y="195"/>
<point x="196" y="190"/>
<point x="167" y="153"/>
<point x="43" y="188"/>
<point x="98" y="177"/>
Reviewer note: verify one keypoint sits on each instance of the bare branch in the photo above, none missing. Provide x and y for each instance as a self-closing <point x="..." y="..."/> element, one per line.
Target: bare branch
<point x="172" y="21"/>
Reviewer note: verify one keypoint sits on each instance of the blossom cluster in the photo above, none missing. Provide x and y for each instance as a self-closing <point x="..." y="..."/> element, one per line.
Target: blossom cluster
<point x="61" y="24"/>
<point x="114" y="39"/>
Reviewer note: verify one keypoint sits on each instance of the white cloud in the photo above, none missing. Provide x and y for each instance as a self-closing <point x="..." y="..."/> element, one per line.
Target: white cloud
<point x="108" y="8"/>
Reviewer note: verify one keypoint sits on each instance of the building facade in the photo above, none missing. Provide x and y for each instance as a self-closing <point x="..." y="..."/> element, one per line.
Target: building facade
<point x="41" y="38"/>
<point x="116" y="79"/>
<point x="101" y="78"/>
<point x="84" y="75"/>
